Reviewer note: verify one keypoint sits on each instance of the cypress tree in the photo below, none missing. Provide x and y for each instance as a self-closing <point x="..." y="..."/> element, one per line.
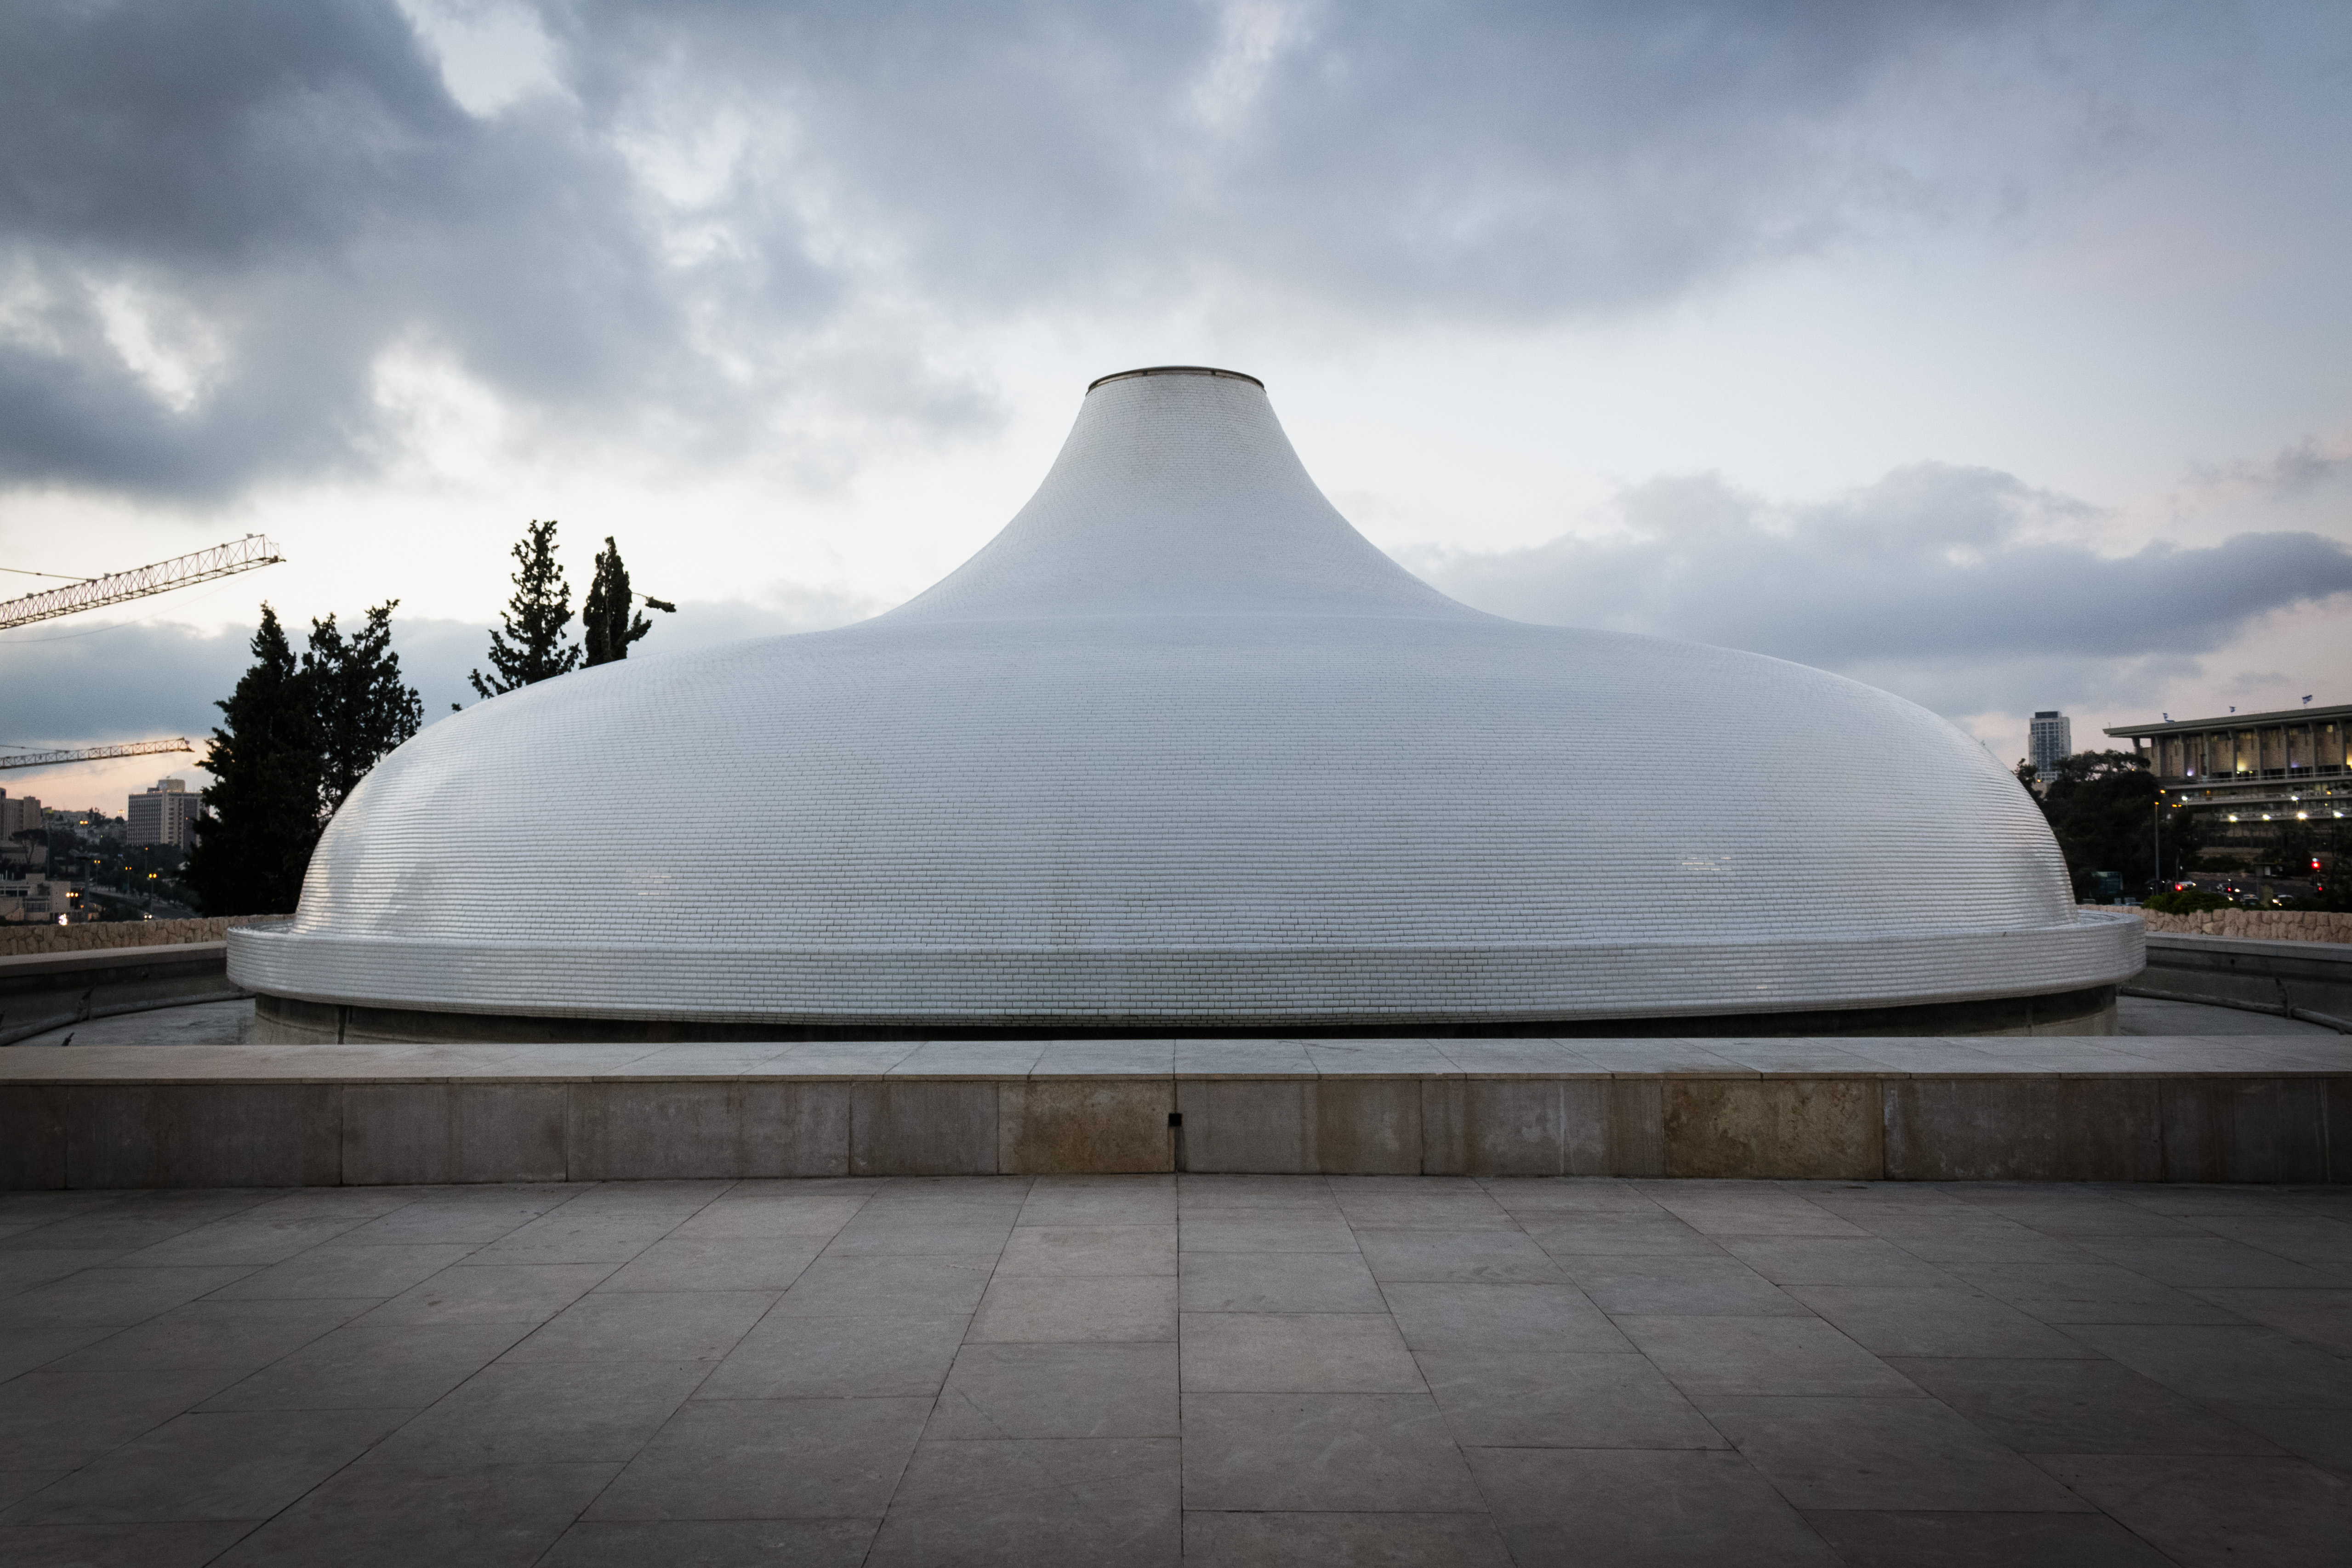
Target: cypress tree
<point x="260" y="815"/>
<point x="605" y="624"/>
<point x="530" y="646"/>
<point x="361" y="709"/>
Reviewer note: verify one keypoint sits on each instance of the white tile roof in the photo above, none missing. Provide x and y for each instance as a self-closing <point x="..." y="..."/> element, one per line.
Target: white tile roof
<point x="1182" y="747"/>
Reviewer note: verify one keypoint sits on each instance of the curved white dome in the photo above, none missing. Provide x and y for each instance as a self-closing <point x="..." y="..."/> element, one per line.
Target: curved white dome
<point x="1182" y="750"/>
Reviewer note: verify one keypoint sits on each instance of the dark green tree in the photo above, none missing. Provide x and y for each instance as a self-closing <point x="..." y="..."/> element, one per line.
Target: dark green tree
<point x="2101" y="807"/>
<point x="361" y="709"/>
<point x="529" y="648"/>
<point x="606" y="627"/>
<point x="260" y="815"/>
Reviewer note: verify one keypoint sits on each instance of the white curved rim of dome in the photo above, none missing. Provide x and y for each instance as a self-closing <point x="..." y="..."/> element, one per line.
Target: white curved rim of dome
<point x="1237" y="987"/>
<point x="1176" y="370"/>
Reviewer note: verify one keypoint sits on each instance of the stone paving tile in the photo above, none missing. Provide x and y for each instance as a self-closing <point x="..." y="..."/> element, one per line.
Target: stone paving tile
<point x="1526" y="1198"/>
<point x="255" y="1237"/>
<point x="2087" y="1292"/>
<point x="713" y="1543"/>
<point x="1866" y="1538"/>
<point x="1882" y="1454"/>
<point x="66" y="1419"/>
<point x="1322" y="1452"/>
<point x="1492" y="1255"/>
<point x="1025" y="1391"/>
<point x="2208" y="1260"/>
<point x="741" y="1216"/>
<point x="24" y="1270"/>
<point x="2323" y="1437"/>
<point x="120" y="1545"/>
<point x="381" y="1516"/>
<point x="1567" y="1508"/>
<point x="2078" y="1407"/>
<point x="532" y="1414"/>
<point x="1343" y="1539"/>
<point x="1834" y="1260"/>
<point x="680" y="1262"/>
<point x="2226" y="1365"/>
<point x="1653" y="1235"/>
<point x="340" y="1268"/>
<point x="2283" y="1513"/>
<point x="1039" y="1309"/>
<point x="769" y="1458"/>
<point x="1100" y="1200"/>
<point x="1728" y="1209"/>
<point x="475" y="1215"/>
<point x="364" y="1367"/>
<point x="1744" y="1356"/>
<point x="1076" y="1249"/>
<point x="1718" y="1287"/>
<point x="111" y="1297"/>
<point x="1515" y="1399"/>
<point x="1951" y="1322"/>
<point x="1278" y="1282"/>
<point x="22" y="1349"/>
<point x="646" y="1325"/>
<point x="493" y="1293"/>
<point x="232" y="1465"/>
<point x="916" y="1287"/>
<point x="1447" y="1316"/>
<point x="2315" y="1317"/>
<point x="1246" y="1231"/>
<point x="1296" y="1352"/>
<point x="764" y="1370"/>
<point x="867" y="1356"/>
<point x="240" y="1336"/>
<point x="1036" y="1501"/>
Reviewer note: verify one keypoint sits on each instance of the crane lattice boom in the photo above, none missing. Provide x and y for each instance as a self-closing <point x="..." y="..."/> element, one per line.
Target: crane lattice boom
<point x="220" y="560"/>
<point x="94" y="753"/>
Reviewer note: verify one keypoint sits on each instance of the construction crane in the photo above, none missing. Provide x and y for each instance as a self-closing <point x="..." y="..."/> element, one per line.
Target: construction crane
<point x="94" y="593"/>
<point x="94" y="753"/>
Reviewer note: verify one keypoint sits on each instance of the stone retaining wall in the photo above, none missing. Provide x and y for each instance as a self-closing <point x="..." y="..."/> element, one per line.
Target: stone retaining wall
<point x="2254" y="925"/>
<point x="18" y="941"/>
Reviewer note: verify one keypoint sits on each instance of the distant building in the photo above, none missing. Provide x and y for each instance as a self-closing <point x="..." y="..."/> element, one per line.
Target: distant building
<point x="164" y="815"/>
<point x="2287" y="766"/>
<point x="2051" y="738"/>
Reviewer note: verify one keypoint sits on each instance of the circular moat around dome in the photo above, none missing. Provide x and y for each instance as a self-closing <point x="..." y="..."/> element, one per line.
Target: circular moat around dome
<point x="1180" y="753"/>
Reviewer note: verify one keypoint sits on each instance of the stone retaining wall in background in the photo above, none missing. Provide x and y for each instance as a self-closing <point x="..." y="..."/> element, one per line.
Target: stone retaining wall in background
<point x="2256" y="925"/>
<point x="20" y="941"/>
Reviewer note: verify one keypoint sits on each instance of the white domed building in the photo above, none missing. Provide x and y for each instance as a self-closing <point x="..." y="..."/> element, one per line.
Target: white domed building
<point x="1180" y="753"/>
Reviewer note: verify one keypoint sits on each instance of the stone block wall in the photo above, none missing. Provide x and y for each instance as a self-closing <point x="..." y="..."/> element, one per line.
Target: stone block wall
<point x="2258" y="925"/>
<point x="17" y="942"/>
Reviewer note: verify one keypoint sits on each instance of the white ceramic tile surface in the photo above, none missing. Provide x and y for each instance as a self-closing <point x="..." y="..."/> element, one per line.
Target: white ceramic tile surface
<point x="1181" y="747"/>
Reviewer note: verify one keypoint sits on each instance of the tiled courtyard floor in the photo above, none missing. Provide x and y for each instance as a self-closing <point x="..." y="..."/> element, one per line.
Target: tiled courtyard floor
<point x="1125" y="1370"/>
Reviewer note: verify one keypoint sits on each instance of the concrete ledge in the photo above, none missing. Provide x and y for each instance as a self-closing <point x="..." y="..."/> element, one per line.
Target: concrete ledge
<point x="45" y="991"/>
<point x="2294" y="979"/>
<point x="2245" y="1108"/>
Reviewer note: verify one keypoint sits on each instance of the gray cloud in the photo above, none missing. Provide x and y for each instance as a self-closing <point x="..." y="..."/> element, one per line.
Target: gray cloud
<point x="148" y="680"/>
<point x="217" y="215"/>
<point x="1940" y="582"/>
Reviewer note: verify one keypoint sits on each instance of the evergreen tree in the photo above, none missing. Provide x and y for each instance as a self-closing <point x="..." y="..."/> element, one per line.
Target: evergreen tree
<point x="361" y="710"/>
<point x="260" y="817"/>
<point x="605" y="624"/>
<point x="529" y="648"/>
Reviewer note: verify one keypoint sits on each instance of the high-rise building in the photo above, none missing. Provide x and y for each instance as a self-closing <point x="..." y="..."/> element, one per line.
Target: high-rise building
<point x="2051" y="738"/>
<point x="22" y="814"/>
<point x="164" y="815"/>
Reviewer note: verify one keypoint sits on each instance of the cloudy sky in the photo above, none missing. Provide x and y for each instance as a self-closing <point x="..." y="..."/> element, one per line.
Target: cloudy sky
<point x="1993" y="353"/>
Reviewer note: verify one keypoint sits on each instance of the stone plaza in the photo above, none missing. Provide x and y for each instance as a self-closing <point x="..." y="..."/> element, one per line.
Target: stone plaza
<point x="1215" y="1369"/>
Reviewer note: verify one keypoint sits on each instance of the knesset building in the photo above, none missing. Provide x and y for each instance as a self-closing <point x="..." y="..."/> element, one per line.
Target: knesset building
<point x="1180" y="753"/>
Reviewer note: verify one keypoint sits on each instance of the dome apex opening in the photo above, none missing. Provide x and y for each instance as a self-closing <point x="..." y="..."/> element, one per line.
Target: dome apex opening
<point x="1176" y="370"/>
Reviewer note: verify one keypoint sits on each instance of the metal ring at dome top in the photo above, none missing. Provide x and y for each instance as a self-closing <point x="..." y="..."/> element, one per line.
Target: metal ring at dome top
<point x="1176" y="370"/>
